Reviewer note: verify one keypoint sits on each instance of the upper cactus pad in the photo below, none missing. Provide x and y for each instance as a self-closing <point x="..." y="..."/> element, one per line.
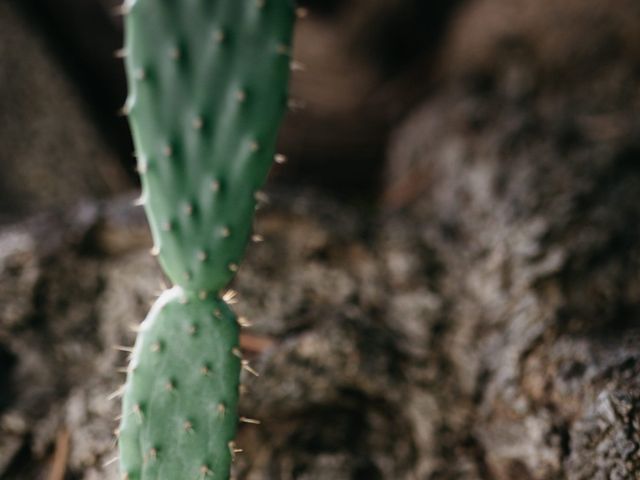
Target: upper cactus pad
<point x="207" y="83"/>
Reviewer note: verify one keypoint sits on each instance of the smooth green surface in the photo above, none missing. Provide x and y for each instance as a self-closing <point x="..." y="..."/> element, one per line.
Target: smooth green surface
<point x="181" y="395"/>
<point x="208" y="88"/>
<point x="207" y="91"/>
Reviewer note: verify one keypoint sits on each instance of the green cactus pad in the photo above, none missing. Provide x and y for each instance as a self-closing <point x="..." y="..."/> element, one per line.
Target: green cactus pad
<point x="207" y="90"/>
<point x="207" y="82"/>
<point x="181" y="395"/>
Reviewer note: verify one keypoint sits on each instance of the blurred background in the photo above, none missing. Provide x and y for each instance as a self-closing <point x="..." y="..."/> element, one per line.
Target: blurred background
<point x="449" y="285"/>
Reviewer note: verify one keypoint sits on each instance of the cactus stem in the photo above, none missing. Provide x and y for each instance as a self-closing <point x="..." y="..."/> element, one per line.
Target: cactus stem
<point x="187" y="133"/>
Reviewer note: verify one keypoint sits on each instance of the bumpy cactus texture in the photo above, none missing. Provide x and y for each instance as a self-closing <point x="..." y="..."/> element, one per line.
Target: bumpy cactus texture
<point x="207" y="83"/>
<point x="207" y="90"/>
<point x="182" y="391"/>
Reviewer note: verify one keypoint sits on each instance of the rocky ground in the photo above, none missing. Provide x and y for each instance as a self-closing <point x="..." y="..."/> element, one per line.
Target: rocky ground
<point x="476" y="318"/>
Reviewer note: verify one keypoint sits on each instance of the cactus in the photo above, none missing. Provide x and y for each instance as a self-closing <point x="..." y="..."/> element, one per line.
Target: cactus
<point x="207" y="90"/>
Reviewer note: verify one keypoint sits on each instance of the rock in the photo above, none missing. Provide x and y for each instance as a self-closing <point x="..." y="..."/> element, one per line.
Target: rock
<point x="52" y="153"/>
<point x="524" y="191"/>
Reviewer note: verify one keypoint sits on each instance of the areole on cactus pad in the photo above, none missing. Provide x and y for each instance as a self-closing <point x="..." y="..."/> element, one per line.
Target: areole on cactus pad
<point x="207" y="91"/>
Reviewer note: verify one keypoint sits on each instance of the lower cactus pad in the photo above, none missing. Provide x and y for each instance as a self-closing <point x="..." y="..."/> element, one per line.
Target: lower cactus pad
<point x="180" y="398"/>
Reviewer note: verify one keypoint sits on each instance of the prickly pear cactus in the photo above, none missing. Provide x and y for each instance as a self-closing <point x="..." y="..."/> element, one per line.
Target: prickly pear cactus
<point x="207" y="90"/>
<point x="182" y="391"/>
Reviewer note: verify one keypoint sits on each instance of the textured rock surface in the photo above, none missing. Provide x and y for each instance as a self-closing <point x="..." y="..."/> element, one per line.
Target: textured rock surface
<point x="45" y="129"/>
<point x="320" y="339"/>
<point x="487" y="328"/>
<point x="435" y="352"/>
<point x="525" y="192"/>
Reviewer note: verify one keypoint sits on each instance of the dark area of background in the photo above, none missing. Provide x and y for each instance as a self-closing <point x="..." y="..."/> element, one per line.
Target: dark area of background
<point x="450" y="282"/>
<point x="328" y="142"/>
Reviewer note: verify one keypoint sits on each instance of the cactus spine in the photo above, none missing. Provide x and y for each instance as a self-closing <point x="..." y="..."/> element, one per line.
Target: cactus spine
<point x="207" y="90"/>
